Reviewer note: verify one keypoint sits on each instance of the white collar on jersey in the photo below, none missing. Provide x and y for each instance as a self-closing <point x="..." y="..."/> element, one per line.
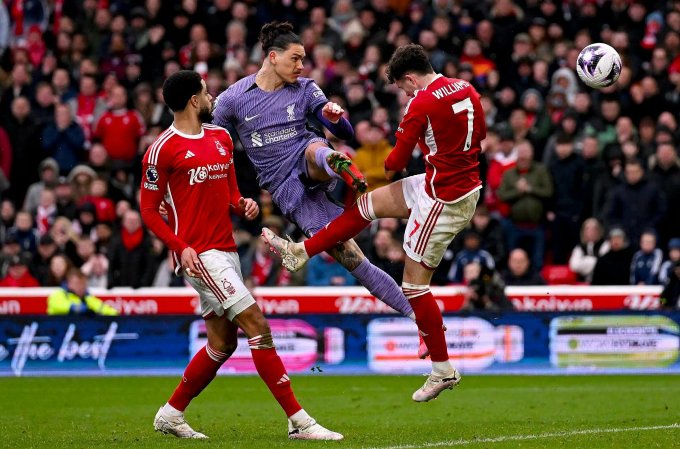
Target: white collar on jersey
<point x="185" y="135"/>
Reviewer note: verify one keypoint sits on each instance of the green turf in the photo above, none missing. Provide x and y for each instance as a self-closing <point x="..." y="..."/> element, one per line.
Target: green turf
<point x="372" y="412"/>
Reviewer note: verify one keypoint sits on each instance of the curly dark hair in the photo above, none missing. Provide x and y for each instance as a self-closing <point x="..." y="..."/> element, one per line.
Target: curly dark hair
<point x="180" y="87"/>
<point x="278" y="35"/>
<point x="409" y="58"/>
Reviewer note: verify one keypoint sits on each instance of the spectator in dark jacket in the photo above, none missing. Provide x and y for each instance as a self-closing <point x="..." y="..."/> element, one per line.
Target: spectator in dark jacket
<point x="644" y="269"/>
<point x="470" y="253"/>
<point x="667" y="267"/>
<point x="637" y="204"/>
<point x="613" y="268"/>
<point x="131" y="262"/>
<point x="519" y="270"/>
<point x="670" y="296"/>
<point x="63" y="139"/>
<point x="566" y="170"/>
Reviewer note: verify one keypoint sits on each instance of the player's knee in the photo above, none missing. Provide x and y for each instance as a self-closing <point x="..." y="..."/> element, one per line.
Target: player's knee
<point x="224" y="346"/>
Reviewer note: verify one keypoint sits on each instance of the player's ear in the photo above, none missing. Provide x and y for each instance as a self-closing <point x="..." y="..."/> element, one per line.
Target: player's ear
<point x="272" y="57"/>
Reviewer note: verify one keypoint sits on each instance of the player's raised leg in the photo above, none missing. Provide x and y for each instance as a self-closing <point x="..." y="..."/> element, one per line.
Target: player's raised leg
<point x="387" y="201"/>
<point x="323" y="162"/>
<point x="199" y="373"/>
<point x="273" y="373"/>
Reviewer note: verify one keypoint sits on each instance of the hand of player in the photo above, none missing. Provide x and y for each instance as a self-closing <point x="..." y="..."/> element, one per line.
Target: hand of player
<point x="249" y="207"/>
<point x="332" y="112"/>
<point x="162" y="210"/>
<point x="189" y="262"/>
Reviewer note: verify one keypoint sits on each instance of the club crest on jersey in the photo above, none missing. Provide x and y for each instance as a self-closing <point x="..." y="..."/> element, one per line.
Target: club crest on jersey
<point x="220" y="148"/>
<point x="290" y="109"/>
<point x="152" y="174"/>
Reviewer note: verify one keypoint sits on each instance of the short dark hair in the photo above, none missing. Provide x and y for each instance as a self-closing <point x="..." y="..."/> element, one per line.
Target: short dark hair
<point x="278" y="35"/>
<point x="180" y="87"/>
<point x="409" y="58"/>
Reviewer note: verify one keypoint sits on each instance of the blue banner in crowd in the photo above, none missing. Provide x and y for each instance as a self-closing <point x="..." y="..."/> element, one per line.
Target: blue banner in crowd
<point x="550" y="343"/>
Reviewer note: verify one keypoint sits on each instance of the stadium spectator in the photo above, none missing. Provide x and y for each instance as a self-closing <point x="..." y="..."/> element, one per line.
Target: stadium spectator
<point x="87" y="106"/>
<point x="6" y="153"/>
<point x="470" y="253"/>
<point x="131" y="262"/>
<point x="59" y="268"/>
<point x="20" y="86"/>
<point x="526" y="187"/>
<point x="613" y="268"/>
<point x="262" y="268"/>
<point x="46" y="213"/>
<point x="18" y="274"/>
<point x="646" y="263"/>
<point x="503" y="159"/>
<point x="48" y="170"/>
<point x="371" y="154"/>
<point x="566" y="170"/>
<point x="73" y="298"/>
<point x="485" y="290"/>
<point x="637" y="204"/>
<point x="665" y="172"/>
<point x="24" y="135"/>
<point x="520" y="271"/>
<point x="24" y="232"/>
<point x="40" y="265"/>
<point x="66" y="206"/>
<point x="673" y="260"/>
<point x="119" y="129"/>
<point x="386" y="254"/>
<point x="323" y="270"/>
<point x="105" y="210"/>
<point x="95" y="265"/>
<point x="591" y="246"/>
<point x="63" y="139"/>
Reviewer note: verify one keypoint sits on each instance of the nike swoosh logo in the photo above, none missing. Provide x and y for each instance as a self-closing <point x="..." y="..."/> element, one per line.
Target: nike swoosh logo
<point x="250" y="118"/>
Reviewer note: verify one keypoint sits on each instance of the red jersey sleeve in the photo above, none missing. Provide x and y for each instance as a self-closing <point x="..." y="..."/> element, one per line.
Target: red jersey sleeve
<point x="153" y="189"/>
<point x="410" y="131"/>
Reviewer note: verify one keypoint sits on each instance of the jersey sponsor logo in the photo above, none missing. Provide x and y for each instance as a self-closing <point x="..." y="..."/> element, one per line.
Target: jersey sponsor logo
<point x="280" y="135"/>
<point x="201" y="174"/>
<point x="290" y="109"/>
<point x="247" y="119"/>
<point x="256" y="139"/>
<point x="197" y="175"/>
<point x="220" y="148"/>
<point x="189" y="154"/>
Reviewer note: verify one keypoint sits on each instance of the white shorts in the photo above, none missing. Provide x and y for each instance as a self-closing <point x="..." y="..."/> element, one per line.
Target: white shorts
<point x="432" y="224"/>
<point x="221" y="287"/>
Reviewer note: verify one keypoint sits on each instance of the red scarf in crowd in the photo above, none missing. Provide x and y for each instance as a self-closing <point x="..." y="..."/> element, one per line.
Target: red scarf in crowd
<point x="58" y="7"/>
<point x="132" y="240"/>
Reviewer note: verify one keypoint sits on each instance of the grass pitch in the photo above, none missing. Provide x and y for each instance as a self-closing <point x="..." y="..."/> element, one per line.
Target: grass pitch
<point x="372" y="412"/>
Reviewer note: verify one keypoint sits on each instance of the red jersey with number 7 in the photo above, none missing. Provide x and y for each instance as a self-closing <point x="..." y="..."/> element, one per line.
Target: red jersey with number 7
<point x="447" y="120"/>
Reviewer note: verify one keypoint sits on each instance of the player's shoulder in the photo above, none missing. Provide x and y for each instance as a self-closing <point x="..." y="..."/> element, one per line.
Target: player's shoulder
<point x="240" y="86"/>
<point x="215" y="130"/>
<point x="164" y="143"/>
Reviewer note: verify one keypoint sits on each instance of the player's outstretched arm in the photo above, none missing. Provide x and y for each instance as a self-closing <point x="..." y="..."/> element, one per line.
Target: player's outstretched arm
<point x="331" y="115"/>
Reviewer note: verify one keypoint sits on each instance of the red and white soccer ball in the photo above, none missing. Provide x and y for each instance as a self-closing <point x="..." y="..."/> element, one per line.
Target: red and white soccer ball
<point x="598" y="65"/>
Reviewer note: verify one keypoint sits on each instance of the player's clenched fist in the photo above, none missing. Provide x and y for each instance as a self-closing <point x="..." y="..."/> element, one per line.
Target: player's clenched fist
<point x="332" y="111"/>
<point x="249" y="207"/>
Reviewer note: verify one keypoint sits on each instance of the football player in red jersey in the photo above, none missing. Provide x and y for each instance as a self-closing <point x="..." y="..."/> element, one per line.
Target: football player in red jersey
<point x="191" y="166"/>
<point x="444" y="117"/>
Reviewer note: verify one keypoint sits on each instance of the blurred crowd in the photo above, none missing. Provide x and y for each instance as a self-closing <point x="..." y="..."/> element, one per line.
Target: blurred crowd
<point x="582" y="180"/>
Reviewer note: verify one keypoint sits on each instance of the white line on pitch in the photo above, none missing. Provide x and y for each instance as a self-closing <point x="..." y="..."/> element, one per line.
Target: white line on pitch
<point x="502" y="439"/>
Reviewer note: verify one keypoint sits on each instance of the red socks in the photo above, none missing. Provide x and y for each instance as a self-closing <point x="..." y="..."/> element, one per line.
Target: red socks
<point x="429" y="321"/>
<point x="199" y="373"/>
<point x="271" y="370"/>
<point x="343" y="228"/>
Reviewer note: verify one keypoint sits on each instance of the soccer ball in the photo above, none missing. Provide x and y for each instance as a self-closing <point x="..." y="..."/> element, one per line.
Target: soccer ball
<point x="598" y="65"/>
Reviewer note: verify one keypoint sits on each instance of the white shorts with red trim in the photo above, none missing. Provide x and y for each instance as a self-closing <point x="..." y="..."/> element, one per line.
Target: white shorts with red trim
<point x="433" y="224"/>
<point x="221" y="287"/>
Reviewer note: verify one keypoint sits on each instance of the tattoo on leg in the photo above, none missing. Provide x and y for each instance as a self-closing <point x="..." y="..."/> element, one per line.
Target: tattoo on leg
<point x="348" y="254"/>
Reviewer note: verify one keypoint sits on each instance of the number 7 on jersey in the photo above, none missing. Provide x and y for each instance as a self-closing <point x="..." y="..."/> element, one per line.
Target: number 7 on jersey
<point x="460" y="107"/>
